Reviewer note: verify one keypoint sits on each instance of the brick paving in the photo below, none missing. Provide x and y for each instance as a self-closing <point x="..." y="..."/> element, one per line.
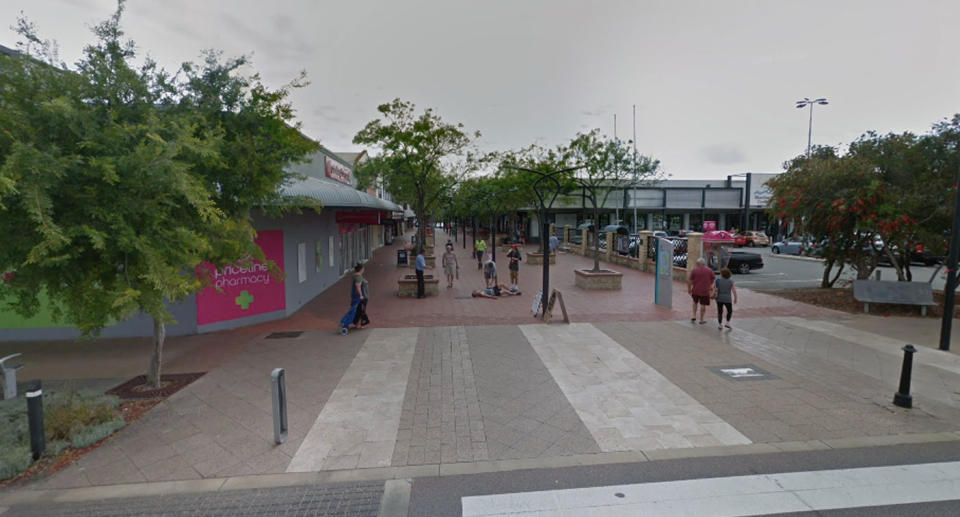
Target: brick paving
<point x="344" y="500"/>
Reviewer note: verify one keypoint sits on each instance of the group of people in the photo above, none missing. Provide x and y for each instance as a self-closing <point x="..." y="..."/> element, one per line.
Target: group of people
<point x="703" y="286"/>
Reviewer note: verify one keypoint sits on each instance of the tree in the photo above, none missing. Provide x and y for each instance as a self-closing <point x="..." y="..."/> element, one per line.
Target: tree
<point x="112" y="182"/>
<point x="609" y="166"/>
<point x="417" y="156"/>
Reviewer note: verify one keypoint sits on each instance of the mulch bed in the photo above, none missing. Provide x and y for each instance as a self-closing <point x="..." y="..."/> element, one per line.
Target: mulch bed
<point x="136" y="401"/>
<point x="841" y="299"/>
<point x="137" y="388"/>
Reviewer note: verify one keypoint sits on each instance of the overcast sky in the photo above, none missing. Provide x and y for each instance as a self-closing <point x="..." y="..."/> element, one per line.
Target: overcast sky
<point x="714" y="82"/>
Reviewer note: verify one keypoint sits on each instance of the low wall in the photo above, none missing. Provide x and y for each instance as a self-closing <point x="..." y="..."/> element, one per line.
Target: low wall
<point x="407" y="286"/>
<point x="537" y="258"/>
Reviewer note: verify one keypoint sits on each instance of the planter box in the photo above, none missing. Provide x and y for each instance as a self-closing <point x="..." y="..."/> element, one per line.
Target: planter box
<point x="537" y="258"/>
<point x="407" y="286"/>
<point x="599" y="281"/>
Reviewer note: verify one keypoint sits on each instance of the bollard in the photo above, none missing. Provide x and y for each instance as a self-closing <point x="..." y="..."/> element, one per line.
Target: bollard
<point x="902" y="398"/>
<point x="38" y="440"/>
<point x="878" y="274"/>
<point x="278" y="387"/>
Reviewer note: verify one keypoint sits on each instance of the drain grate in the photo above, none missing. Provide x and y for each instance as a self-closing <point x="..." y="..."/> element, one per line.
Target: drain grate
<point x="742" y="372"/>
<point x="285" y="335"/>
<point x="462" y="297"/>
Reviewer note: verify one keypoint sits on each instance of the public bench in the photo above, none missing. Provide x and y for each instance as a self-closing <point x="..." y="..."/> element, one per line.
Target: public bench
<point x="900" y="293"/>
<point x="407" y="286"/>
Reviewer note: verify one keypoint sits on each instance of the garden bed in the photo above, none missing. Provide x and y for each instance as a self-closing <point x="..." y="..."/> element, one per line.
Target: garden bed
<point x="75" y="422"/>
<point x="841" y="299"/>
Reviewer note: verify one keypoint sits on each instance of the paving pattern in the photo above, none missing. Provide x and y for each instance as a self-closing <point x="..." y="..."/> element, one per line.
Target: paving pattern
<point x="441" y="420"/>
<point x="525" y="413"/>
<point x="345" y="500"/>
<point x="357" y="427"/>
<point x="626" y="404"/>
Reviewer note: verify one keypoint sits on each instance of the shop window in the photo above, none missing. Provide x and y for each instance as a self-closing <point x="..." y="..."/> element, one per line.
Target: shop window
<point x="302" y="262"/>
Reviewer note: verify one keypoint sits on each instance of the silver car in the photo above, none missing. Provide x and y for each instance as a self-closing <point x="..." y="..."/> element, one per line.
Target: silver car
<point x="787" y="247"/>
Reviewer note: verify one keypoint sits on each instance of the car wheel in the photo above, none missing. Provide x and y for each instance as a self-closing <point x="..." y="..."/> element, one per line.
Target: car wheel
<point x="775" y="250"/>
<point x="750" y="244"/>
<point x="744" y="268"/>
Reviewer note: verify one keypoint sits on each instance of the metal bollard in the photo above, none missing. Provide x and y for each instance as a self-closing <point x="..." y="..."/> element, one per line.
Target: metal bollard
<point x="902" y="398"/>
<point x="38" y="440"/>
<point x="278" y="388"/>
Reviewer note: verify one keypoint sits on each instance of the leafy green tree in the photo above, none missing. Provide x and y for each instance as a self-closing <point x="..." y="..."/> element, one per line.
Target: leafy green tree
<point x="418" y="156"/>
<point x="609" y="166"/>
<point x="113" y="179"/>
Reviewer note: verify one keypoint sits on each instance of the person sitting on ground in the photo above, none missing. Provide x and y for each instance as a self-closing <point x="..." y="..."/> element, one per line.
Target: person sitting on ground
<point x="487" y="292"/>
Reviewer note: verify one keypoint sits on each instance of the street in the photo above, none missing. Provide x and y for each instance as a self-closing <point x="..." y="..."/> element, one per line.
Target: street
<point x="789" y="272"/>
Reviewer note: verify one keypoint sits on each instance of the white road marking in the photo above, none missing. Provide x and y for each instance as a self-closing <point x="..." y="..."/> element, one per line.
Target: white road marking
<point x="624" y="403"/>
<point x="357" y="427"/>
<point x="738" y="495"/>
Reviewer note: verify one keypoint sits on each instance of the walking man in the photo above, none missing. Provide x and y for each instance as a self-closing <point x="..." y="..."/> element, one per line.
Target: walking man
<point x="480" y="246"/>
<point x="514" y="266"/>
<point x="420" y="265"/>
<point x="699" y="285"/>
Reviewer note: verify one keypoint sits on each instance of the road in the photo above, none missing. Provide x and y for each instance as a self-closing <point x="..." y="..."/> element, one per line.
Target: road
<point x="780" y="272"/>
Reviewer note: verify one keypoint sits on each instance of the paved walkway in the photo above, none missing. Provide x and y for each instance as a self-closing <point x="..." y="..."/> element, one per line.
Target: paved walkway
<point x="625" y="378"/>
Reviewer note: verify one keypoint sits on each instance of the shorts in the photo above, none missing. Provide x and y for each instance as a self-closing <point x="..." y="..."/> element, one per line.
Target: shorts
<point x="450" y="269"/>
<point x="489" y="275"/>
<point x="702" y="300"/>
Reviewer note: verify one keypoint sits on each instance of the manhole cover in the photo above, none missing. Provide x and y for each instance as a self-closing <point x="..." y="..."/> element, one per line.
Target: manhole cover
<point x="742" y="372"/>
<point x="285" y="335"/>
<point x="462" y="297"/>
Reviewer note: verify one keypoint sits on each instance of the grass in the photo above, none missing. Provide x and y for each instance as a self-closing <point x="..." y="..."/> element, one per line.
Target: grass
<point x="72" y="418"/>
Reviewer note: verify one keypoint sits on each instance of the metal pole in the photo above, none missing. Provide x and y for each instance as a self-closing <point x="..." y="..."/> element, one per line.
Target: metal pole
<point x="493" y="236"/>
<point x="38" y="439"/>
<point x="545" y="249"/>
<point x="902" y="397"/>
<point x="634" y="200"/>
<point x="810" y="130"/>
<point x="949" y="290"/>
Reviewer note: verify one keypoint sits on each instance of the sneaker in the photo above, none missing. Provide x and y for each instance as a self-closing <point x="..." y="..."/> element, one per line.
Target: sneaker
<point x="719" y="326"/>
<point x="728" y="326"/>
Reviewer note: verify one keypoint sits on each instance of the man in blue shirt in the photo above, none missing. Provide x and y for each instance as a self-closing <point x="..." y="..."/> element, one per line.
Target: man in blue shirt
<point x="420" y="265"/>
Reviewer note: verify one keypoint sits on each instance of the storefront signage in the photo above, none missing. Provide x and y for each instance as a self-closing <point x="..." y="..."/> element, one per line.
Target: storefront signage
<point x="337" y="171"/>
<point x="359" y="216"/>
<point x="244" y="291"/>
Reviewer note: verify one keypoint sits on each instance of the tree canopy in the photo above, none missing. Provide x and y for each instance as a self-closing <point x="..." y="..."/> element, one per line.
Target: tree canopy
<point x="117" y="181"/>
<point x="418" y="156"/>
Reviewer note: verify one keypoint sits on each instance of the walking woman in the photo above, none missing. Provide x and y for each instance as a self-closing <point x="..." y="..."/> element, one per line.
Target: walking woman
<point x="726" y="294"/>
<point x="451" y="266"/>
<point x="357" y="315"/>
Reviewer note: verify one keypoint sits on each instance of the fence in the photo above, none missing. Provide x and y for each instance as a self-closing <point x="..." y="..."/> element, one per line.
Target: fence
<point x="679" y="249"/>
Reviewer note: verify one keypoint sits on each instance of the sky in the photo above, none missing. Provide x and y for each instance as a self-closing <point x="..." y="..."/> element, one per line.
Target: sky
<point x="714" y="82"/>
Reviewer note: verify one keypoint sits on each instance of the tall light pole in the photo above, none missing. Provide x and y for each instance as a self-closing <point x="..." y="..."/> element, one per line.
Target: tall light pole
<point x="803" y="104"/>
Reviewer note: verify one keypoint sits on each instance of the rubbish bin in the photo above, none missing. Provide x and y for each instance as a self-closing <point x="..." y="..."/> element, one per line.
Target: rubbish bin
<point x="402" y="257"/>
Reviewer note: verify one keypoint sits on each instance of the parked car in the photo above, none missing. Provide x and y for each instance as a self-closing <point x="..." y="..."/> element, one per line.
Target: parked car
<point x="789" y="247"/>
<point x="740" y="261"/>
<point x="756" y="238"/>
<point x="743" y="262"/>
<point x="739" y="240"/>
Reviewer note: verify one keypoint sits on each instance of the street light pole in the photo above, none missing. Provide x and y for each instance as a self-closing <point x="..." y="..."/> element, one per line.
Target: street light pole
<point x="949" y="290"/>
<point x="544" y="177"/>
<point x="802" y="104"/>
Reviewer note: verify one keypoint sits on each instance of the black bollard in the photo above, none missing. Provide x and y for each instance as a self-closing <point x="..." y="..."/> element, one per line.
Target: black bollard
<point x="38" y="440"/>
<point x="902" y="398"/>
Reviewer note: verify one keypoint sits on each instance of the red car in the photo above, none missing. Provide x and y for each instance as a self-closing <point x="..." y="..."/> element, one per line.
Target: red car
<point x="739" y="240"/>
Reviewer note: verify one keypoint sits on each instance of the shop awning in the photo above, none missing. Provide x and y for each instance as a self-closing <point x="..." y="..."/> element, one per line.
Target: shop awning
<point x="335" y="195"/>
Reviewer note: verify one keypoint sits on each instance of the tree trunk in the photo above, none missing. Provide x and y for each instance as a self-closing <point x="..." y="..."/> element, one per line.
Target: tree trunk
<point x="159" y="335"/>
<point x="825" y="281"/>
<point x="837" y="276"/>
<point x="896" y="263"/>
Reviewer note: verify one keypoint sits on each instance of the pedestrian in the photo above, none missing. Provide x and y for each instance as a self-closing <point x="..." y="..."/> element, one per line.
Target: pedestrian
<point x="419" y="265"/>
<point x="449" y="243"/>
<point x="514" y="256"/>
<point x="490" y="273"/>
<point x="356" y="298"/>
<point x="451" y="266"/>
<point x="726" y="294"/>
<point x="699" y="285"/>
<point x="479" y="247"/>
<point x="360" y="288"/>
<point x="554" y="244"/>
<point x="523" y="238"/>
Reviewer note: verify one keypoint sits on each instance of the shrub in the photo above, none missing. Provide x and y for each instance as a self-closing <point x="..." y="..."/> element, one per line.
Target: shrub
<point x="55" y="448"/>
<point x="93" y="434"/>
<point x="70" y="411"/>
<point x="14" y="460"/>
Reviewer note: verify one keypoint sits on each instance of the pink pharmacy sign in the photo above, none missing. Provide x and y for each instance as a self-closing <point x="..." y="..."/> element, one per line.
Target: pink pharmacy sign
<point x="245" y="291"/>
